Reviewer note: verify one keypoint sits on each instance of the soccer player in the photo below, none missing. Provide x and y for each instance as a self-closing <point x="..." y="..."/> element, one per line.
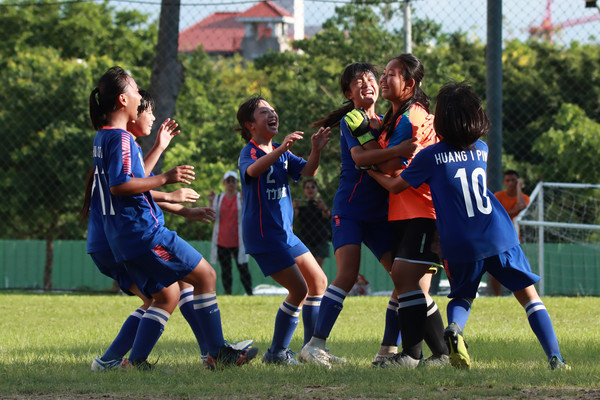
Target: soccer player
<point x="359" y="212"/>
<point x="156" y="258"/>
<point x="476" y="233"/>
<point x="265" y="168"/>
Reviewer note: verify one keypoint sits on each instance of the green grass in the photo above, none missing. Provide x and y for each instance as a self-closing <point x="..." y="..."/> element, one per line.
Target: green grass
<point x="47" y="343"/>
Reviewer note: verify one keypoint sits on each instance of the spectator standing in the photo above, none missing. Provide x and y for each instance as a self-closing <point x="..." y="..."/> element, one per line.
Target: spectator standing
<point x="227" y="234"/>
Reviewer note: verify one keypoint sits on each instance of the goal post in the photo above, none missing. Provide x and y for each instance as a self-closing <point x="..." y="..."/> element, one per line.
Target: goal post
<point x="560" y="234"/>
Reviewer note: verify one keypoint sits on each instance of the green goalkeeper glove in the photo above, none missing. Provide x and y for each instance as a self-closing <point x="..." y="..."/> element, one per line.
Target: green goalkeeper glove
<point x="360" y="127"/>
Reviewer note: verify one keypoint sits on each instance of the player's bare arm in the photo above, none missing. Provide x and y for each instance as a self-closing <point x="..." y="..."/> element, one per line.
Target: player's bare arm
<point x="264" y="162"/>
<point x="182" y="195"/>
<point x="318" y="141"/>
<point x="179" y="174"/>
<point x="393" y="184"/>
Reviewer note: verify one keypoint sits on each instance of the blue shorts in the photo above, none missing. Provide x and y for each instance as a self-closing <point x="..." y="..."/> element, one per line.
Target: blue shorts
<point x="168" y="262"/>
<point x="279" y="260"/>
<point x="413" y="239"/>
<point x="377" y="236"/>
<point x="105" y="261"/>
<point x="510" y="268"/>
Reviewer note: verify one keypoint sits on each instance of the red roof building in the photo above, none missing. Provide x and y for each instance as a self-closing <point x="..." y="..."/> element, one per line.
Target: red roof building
<point x="253" y="32"/>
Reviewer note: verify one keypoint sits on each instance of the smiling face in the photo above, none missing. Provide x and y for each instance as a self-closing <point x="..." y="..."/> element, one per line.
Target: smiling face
<point x="393" y="86"/>
<point x="142" y="126"/>
<point x="363" y="90"/>
<point x="266" y="121"/>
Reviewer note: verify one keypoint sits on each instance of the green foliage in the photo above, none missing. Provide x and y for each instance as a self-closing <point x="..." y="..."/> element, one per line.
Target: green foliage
<point x="561" y="147"/>
<point x="51" y="55"/>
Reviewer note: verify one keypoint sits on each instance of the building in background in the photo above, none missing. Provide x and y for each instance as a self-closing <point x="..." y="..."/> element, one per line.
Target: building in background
<point x="266" y="26"/>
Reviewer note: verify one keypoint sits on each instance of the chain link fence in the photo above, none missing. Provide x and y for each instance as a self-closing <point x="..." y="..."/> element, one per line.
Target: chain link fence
<point x="201" y="59"/>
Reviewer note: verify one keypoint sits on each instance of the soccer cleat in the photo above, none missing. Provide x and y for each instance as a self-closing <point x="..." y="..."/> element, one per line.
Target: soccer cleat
<point x="457" y="347"/>
<point x="400" y="360"/>
<point x="142" y="365"/>
<point x="314" y="353"/>
<point x="228" y="355"/>
<point x="385" y="352"/>
<point x="437" y="361"/>
<point x="335" y="359"/>
<point x="99" y="365"/>
<point x="284" y="357"/>
<point x="243" y="345"/>
<point x="556" y="362"/>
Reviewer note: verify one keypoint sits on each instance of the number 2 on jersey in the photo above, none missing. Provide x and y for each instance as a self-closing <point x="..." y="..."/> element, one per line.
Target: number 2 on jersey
<point x="478" y="173"/>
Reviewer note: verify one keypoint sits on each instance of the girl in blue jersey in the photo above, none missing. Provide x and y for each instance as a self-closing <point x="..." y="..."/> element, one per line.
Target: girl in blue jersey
<point x="265" y="168"/>
<point x="359" y="211"/>
<point x="133" y="223"/>
<point x="104" y="259"/>
<point x="476" y="233"/>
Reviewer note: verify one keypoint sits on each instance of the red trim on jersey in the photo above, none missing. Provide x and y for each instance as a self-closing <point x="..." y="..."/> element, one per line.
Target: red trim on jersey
<point x="126" y="152"/>
<point x="355" y="186"/>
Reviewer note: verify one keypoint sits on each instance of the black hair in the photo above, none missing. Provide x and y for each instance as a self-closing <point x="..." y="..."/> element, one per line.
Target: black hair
<point x="459" y="117"/>
<point x="351" y="72"/>
<point x="245" y="114"/>
<point x="103" y="98"/>
<point x="310" y="180"/>
<point x="87" y="198"/>
<point x="147" y="102"/>
<point x="412" y="68"/>
<point x="511" y="172"/>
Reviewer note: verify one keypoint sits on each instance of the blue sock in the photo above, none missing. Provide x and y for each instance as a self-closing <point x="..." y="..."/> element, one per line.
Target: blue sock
<point x="186" y="306"/>
<point x="209" y="318"/>
<point x="391" y="333"/>
<point x="310" y="313"/>
<point x="286" y="322"/>
<point x="540" y="323"/>
<point x="331" y="306"/>
<point x="124" y="340"/>
<point x="458" y="311"/>
<point x="151" y="327"/>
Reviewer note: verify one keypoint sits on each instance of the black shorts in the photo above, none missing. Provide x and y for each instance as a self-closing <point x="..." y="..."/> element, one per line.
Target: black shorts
<point x="413" y="239"/>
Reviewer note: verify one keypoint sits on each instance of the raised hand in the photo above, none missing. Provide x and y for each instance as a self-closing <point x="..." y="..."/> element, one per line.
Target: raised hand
<point x="167" y="131"/>
<point x="180" y="174"/>
<point x="321" y="138"/>
<point x="290" y="139"/>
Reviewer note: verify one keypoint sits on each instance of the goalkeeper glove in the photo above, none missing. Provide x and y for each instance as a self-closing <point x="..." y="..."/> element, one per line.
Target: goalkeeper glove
<point x="360" y="127"/>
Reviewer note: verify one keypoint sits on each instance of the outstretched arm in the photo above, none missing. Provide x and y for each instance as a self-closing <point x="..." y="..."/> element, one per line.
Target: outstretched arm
<point x="183" y="195"/>
<point x="202" y="214"/>
<point x="393" y="184"/>
<point x="180" y="174"/>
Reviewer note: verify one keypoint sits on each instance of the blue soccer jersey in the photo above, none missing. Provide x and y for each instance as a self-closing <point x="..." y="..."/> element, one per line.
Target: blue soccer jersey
<point x="267" y="211"/>
<point x="471" y="222"/>
<point x="359" y="197"/>
<point x="132" y="224"/>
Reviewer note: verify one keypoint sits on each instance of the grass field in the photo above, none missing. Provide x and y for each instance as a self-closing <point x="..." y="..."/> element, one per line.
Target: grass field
<point x="47" y="343"/>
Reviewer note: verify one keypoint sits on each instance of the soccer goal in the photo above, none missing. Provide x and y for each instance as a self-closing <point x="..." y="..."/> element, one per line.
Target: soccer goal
<point x="560" y="233"/>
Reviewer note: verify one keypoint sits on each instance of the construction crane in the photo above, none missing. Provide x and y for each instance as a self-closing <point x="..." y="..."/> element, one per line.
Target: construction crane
<point x="547" y="28"/>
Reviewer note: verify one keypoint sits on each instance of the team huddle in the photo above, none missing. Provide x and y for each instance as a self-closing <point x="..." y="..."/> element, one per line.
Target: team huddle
<point x="412" y="189"/>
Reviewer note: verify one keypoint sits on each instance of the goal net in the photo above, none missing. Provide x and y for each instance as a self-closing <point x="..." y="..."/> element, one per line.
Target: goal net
<point x="560" y="234"/>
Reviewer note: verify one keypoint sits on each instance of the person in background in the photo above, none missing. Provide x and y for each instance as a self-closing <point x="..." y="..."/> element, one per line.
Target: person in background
<point x="514" y="201"/>
<point x="227" y="233"/>
<point x="312" y="221"/>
